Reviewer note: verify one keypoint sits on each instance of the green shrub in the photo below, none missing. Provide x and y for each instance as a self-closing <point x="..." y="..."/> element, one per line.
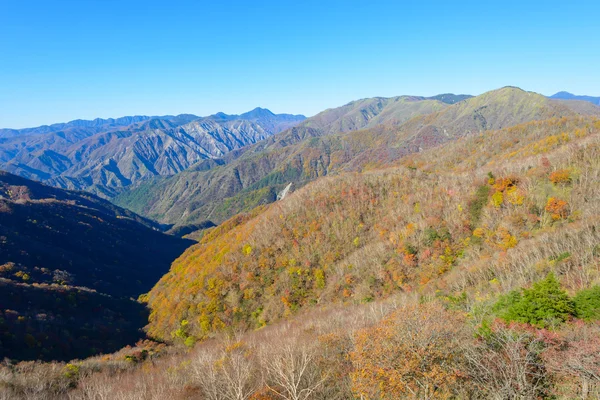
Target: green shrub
<point x="476" y="205"/>
<point x="587" y="303"/>
<point x="543" y="305"/>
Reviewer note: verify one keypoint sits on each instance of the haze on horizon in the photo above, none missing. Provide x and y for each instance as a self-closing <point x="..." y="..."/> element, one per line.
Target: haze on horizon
<point x="69" y="60"/>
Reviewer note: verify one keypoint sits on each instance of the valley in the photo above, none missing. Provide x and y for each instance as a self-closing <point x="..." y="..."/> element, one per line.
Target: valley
<point x="425" y="244"/>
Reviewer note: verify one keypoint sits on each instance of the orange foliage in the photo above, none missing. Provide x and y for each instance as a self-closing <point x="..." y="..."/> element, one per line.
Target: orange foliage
<point x="411" y="354"/>
<point x="561" y="176"/>
<point x="559" y="209"/>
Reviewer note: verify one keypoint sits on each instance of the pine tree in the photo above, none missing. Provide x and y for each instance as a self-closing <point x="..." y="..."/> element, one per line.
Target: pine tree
<point x="587" y="303"/>
<point x="543" y="305"/>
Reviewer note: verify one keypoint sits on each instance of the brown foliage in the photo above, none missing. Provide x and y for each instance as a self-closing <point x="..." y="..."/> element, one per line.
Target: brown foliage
<point x="411" y="354"/>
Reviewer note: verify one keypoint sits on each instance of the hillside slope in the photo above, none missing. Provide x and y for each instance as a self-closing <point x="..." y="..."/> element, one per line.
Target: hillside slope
<point x="69" y="265"/>
<point x="438" y="224"/>
<point x="253" y="176"/>
<point x="367" y="113"/>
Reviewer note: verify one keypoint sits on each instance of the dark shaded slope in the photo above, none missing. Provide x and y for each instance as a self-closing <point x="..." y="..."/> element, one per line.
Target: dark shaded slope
<point x="70" y="265"/>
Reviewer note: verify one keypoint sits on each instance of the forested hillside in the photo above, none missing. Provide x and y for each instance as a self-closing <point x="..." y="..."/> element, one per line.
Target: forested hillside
<point x="466" y="271"/>
<point x="360" y="237"/>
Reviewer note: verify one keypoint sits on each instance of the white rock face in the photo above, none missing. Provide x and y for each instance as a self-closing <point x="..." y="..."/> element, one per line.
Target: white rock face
<point x="285" y="191"/>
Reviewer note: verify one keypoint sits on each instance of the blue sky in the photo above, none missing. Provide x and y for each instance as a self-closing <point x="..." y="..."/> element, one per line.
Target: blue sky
<point x="61" y="60"/>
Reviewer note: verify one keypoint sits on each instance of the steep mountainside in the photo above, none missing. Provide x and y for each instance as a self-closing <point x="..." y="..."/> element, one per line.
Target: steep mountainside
<point x="69" y="265"/>
<point x="105" y="158"/>
<point x="489" y="213"/>
<point x="371" y="112"/>
<point x="450" y="98"/>
<point x="570" y="96"/>
<point x="204" y="188"/>
<point x="253" y="176"/>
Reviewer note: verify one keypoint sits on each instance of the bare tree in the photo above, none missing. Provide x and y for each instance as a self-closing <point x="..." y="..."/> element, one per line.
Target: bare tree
<point x="229" y="373"/>
<point x="507" y="365"/>
<point x="291" y="371"/>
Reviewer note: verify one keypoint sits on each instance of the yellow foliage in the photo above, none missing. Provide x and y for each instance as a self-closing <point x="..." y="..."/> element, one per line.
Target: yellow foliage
<point x="417" y="208"/>
<point x="478" y="232"/>
<point x="497" y="199"/>
<point x="514" y="196"/>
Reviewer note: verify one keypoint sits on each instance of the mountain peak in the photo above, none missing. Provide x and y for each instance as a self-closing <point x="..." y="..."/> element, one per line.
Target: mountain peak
<point x="258" y="112"/>
<point x="563" y="95"/>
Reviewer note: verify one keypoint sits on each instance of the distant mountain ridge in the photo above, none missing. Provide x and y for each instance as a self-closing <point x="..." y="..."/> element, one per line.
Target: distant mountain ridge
<point x="571" y="96"/>
<point x="105" y="156"/>
<point x="98" y="123"/>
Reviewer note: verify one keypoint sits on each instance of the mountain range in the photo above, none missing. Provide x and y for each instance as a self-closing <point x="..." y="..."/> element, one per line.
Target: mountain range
<point x="105" y="156"/>
<point x="362" y="134"/>
<point x="345" y="240"/>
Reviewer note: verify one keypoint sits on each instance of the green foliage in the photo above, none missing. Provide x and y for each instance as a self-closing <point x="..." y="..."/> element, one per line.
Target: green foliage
<point x="183" y="331"/>
<point x="543" y="305"/>
<point x="484" y="331"/>
<point x="477" y="204"/>
<point x="561" y="257"/>
<point x="190" y="341"/>
<point x="432" y="235"/>
<point x="587" y="303"/>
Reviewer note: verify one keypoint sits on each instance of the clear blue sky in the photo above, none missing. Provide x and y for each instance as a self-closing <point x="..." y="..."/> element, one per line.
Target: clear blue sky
<point x="61" y="60"/>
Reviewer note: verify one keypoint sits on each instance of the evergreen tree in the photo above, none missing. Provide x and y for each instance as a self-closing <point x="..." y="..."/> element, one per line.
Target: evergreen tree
<point x="543" y="305"/>
<point x="587" y="303"/>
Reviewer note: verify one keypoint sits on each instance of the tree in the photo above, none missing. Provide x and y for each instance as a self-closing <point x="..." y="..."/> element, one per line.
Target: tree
<point x="587" y="303"/>
<point x="229" y="373"/>
<point x="558" y="209"/>
<point x="411" y="354"/>
<point x="575" y="360"/>
<point x="505" y="363"/>
<point x="543" y="305"/>
<point x="291" y="370"/>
